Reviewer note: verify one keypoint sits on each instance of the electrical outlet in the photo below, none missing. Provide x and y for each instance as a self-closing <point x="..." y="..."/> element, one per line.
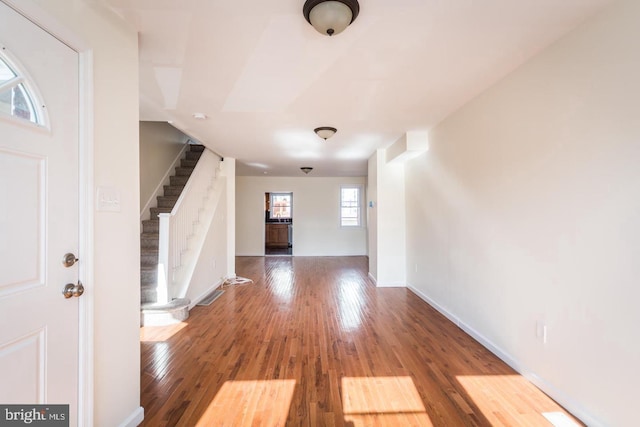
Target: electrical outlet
<point x="416" y="268"/>
<point x="541" y="331"/>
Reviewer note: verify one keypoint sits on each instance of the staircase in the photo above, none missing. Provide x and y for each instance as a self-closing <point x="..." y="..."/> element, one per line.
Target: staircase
<point x="177" y="309"/>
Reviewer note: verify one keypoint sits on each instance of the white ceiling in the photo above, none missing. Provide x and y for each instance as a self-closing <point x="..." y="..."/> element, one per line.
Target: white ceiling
<point x="265" y="78"/>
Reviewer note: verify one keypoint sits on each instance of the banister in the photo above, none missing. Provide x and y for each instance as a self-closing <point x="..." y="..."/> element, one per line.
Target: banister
<point x="182" y="231"/>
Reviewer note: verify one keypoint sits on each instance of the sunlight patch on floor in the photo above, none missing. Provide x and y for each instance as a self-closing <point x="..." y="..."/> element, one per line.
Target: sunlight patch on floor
<point x="160" y="333"/>
<point x="392" y="401"/>
<point x="250" y="403"/>
<point x="508" y="398"/>
<point x="559" y="419"/>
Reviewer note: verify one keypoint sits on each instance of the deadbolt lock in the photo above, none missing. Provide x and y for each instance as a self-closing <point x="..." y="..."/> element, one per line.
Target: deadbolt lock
<point x="69" y="259"/>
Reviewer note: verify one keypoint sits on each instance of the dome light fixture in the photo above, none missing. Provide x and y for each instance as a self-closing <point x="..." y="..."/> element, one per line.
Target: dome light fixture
<point x="306" y="169"/>
<point x="330" y="17"/>
<point x="325" y="132"/>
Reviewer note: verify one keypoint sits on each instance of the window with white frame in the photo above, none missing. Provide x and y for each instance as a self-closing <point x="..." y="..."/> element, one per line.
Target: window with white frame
<point x="16" y="95"/>
<point x="280" y="205"/>
<point x="351" y="206"/>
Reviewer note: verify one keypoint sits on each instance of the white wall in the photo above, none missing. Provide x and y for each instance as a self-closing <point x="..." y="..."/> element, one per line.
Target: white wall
<point x="160" y="144"/>
<point x="387" y="244"/>
<point x="229" y="169"/>
<point x="217" y="259"/>
<point x="372" y="215"/>
<point x="115" y="287"/>
<point x="212" y="262"/>
<point x="316" y="216"/>
<point x="526" y="210"/>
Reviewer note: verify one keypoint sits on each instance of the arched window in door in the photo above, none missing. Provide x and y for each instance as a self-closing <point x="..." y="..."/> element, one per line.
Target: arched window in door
<point x="17" y="94"/>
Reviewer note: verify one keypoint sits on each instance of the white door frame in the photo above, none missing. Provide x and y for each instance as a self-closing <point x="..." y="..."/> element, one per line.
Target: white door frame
<point x="86" y="199"/>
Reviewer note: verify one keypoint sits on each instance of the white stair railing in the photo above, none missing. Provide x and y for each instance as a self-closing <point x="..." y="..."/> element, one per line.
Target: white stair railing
<point x="183" y="231"/>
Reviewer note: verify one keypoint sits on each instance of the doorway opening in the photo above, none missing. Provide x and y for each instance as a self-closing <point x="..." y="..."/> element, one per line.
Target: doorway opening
<point x="278" y="227"/>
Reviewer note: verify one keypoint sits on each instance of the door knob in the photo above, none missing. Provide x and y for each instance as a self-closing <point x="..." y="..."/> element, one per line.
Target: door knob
<point x="71" y="290"/>
<point x="69" y="259"/>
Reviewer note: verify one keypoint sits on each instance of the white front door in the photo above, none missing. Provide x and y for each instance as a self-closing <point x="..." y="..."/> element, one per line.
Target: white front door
<point x="38" y="215"/>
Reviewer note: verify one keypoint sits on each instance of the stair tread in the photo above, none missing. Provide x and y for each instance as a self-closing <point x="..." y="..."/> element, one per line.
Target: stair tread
<point x="177" y="178"/>
<point x="173" y="190"/>
<point x="167" y="201"/>
<point x="161" y="210"/>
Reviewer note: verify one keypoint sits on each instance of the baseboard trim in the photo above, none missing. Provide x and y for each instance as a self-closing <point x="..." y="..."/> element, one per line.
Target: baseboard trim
<point x="202" y="296"/>
<point x="570" y="404"/>
<point x="391" y="285"/>
<point x="386" y="285"/>
<point x="373" y="279"/>
<point x="134" y="419"/>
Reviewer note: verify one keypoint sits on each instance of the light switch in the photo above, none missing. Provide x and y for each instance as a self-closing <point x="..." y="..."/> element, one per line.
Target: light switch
<point x="108" y="199"/>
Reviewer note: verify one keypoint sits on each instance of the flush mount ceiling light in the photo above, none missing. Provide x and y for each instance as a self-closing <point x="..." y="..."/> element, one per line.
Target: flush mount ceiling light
<point x="200" y="116"/>
<point x="306" y="169"/>
<point x="330" y="17"/>
<point x="325" y="132"/>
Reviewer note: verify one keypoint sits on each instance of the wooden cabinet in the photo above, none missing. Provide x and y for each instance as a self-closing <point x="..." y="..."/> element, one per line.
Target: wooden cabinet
<point x="277" y="235"/>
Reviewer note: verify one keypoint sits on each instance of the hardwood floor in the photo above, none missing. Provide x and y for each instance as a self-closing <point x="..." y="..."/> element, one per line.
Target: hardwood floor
<point x="312" y="342"/>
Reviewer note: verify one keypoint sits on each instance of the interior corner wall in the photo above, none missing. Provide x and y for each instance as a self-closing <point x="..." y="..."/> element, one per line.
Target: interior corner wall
<point x="387" y="242"/>
<point x="116" y="235"/>
<point x="524" y="215"/>
<point x="316" y="216"/>
<point x="372" y="215"/>
<point x="160" y="144"/>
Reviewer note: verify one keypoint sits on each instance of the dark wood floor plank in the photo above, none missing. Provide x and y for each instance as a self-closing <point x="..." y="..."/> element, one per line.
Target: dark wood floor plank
<point x="312" y="342"/>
